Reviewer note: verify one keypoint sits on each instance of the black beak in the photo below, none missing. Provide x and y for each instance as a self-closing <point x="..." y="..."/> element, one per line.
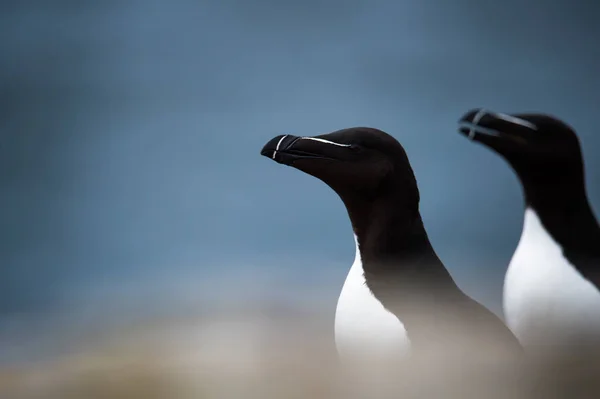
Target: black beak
<point x="285" y="149"/>
<point x="487" y="126"/>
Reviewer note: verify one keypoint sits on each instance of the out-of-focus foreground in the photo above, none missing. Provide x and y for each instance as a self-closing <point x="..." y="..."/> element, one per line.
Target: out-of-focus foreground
<point x="256" y="355"/>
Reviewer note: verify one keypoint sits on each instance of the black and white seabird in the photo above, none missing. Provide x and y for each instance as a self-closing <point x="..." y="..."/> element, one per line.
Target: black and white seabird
<point x="398" y="297"/>
<point x="552" y="284"/>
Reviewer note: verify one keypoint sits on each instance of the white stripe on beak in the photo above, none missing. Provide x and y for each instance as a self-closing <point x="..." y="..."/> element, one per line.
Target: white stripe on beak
<point x="278" y="144"/>
<point x="480" y="114"/>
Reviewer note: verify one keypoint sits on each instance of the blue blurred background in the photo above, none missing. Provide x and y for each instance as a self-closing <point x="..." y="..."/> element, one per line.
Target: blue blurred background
<point x="130" y="176"/>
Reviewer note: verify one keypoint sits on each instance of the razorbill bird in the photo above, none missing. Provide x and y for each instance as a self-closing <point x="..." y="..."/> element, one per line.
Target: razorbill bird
<point x="398" y="297"/>
<point x="551" y="288"/>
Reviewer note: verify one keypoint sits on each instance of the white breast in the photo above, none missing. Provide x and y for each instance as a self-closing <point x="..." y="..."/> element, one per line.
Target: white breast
<point x="545" y="298"/>
<point x="363" y="327"/>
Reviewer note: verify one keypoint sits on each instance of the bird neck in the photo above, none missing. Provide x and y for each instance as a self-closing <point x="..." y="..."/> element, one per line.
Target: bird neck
<point x="397" y="256"/>
<point x="563" y="208"/>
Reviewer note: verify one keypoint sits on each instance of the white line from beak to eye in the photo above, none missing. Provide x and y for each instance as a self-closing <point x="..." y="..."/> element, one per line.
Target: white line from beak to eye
<point x="278" y="144"/>
<point x="515" y="120"/>
<point x="326" y="141"/>
<point x="505" y="117"/>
